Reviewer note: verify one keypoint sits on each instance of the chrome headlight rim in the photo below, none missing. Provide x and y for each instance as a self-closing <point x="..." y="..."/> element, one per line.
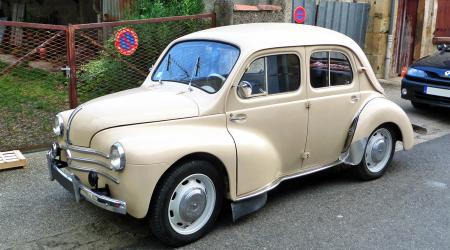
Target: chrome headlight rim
<point x="117" y="157"/>
<point x="58" y="126"/>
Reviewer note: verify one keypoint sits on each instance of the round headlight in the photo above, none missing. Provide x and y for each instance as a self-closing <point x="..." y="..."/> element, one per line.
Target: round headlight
<point x="117" y="157"/>
<point x="58" y="126"/>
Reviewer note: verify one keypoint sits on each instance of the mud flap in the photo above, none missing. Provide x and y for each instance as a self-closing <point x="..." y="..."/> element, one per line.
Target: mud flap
<point x="242" y="208"/>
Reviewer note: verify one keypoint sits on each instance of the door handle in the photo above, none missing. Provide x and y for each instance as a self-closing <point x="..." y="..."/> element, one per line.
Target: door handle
<point x="354" y="99"/>
<point x="238" y="117"/>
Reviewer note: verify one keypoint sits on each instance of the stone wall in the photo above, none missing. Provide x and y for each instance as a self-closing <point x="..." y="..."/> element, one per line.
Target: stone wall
<point x="376" y="35"/>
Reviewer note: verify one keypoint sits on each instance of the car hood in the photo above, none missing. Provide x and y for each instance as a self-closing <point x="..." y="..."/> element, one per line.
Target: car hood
<point x="139" y="105"/>
<point x="438" y="60"/>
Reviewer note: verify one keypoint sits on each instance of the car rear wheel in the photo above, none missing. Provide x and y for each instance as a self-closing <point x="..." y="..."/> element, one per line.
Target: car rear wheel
<point x="186" y="203"/>
<point x="378" y="153"/>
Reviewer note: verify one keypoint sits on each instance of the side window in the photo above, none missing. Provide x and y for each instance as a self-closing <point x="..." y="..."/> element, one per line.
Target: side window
<point x="256" y="76"/>
<point x="330" y="68"/>
<point x="273" y="74"/>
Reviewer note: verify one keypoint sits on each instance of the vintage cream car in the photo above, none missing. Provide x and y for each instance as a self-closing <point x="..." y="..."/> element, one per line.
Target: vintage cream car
<point x="228" y="113"/>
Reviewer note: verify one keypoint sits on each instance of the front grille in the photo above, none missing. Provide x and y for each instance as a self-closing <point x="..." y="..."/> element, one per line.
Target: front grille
<point x="434" y="78"/>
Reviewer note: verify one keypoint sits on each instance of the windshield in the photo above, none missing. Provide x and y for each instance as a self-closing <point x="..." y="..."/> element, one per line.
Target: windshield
<point x="202" y="64"/>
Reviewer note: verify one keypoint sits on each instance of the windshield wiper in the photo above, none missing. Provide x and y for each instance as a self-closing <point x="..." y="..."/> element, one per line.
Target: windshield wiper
<point x="167" y="69"/>
<point x="195" y="73"/>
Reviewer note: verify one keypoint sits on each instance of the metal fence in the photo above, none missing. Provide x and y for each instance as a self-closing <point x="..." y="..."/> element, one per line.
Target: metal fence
<point x="48" y="68"/>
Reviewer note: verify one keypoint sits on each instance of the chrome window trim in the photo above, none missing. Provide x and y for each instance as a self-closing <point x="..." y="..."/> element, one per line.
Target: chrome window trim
<point x="87" y="170"/>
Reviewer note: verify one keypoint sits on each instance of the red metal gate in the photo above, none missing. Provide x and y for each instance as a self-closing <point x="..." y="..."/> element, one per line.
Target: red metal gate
<point x="442" y="32"/>
<point x="406" y="31"/>
<point x="48" y="68"/>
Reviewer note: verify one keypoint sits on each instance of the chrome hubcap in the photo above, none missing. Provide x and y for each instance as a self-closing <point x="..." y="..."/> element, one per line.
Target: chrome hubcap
<point x="192" y="204"/>
<point x="378" y="150"/>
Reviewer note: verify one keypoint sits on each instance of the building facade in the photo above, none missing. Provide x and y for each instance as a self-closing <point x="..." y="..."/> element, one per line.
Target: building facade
<point x="396" y="32"/>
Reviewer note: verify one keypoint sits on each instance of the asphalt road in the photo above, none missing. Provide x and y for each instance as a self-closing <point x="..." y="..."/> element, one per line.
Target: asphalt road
<point x="409" y="208"/>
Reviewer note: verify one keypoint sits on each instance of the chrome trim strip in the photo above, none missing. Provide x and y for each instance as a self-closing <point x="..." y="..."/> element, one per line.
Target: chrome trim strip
<point x="85" y="160"/>
<point x="275" y="183"/>
<point x="69" y="122"/>
<point x="87" y="170"/>
<point x="85" y="150"/>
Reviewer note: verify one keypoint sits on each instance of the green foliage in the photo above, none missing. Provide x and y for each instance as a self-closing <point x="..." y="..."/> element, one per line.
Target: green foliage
<point x="160" y="8"/>
<point x="29" y="99"/>
<point x="112" y="72"/>
<point x="25" y="88"/>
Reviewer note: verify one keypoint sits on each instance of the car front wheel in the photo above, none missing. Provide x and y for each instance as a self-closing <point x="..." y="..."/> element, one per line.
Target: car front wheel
<point x="378" y="153"/>
<point x="187" y="203"/>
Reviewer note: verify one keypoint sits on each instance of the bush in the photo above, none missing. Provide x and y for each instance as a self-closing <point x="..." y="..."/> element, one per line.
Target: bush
<point x="108" y="74"/>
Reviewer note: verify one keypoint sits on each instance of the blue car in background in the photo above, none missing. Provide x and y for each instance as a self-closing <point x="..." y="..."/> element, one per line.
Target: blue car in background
<point x="427" y="81"/>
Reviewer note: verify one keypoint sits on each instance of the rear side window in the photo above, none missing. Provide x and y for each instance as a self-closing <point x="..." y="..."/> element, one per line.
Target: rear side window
<point x="330" y="68"/>
<point x="273" y="74"/>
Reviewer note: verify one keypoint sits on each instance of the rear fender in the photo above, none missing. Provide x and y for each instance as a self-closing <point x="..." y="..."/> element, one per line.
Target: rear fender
<point x="375" y="113"/>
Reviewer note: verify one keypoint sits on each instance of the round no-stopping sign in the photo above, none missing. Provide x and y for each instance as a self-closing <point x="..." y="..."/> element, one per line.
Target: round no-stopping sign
<point x="126" y="41"/>
<point x="299" y="14"/>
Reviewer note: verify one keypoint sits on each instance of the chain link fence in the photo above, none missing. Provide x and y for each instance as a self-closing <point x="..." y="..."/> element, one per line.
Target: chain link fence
<point x="45" y="69"/>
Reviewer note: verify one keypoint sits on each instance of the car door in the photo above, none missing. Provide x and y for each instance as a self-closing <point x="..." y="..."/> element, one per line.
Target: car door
<point x="334" y="99"/>
<point x="269" y="127"/>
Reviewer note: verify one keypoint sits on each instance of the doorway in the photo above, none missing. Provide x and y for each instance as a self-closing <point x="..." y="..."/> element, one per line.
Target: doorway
<point x="405" y="34"/>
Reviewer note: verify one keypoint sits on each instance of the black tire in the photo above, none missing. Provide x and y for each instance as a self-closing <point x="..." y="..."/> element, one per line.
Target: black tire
<point x="418" y="105"/>
<point x="362" y="170"/>
<point x="158" y="212"/>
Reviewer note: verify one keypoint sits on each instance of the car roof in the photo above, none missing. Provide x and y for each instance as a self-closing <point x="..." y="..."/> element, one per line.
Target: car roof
<point x="254" y="37"/>
<point x="258" y="36"/>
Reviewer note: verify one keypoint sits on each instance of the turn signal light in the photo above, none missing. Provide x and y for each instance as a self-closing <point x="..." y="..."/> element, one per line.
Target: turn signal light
<point x="404" y="70"/>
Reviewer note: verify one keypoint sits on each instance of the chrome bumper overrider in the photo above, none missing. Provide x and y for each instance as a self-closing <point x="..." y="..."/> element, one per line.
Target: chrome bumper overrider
<point x="72" y="183"/>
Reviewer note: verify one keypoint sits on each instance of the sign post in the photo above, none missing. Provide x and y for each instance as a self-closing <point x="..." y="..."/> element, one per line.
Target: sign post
<point x="126" y="41"/>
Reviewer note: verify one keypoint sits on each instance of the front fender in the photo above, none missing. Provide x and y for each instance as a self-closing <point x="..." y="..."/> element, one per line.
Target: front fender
<point x="379" y="111"/>
<point x="155" y="147"/>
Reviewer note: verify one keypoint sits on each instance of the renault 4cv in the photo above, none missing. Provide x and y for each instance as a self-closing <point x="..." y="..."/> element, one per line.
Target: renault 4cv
<point x="226" y="114"/>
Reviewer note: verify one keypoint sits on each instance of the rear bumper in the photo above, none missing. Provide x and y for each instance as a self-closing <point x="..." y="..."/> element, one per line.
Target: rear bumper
<point x="416" y="93"/>
<point x="72" y="183"/>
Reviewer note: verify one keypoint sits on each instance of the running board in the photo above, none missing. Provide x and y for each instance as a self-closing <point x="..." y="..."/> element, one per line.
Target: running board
<point x="242" y="208"/>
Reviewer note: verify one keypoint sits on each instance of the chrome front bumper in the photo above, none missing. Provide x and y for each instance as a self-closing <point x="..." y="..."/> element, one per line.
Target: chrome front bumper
<point x="72" y="183"/>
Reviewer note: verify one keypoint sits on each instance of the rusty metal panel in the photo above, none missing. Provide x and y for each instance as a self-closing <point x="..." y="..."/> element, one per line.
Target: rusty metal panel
<point x="310" y="7"/>
<point x="113" y="10"/>
<point x="347" y="18"/>
<point x="443" y="19"/>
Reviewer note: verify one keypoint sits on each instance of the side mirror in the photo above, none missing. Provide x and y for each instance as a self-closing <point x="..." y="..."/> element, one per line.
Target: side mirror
<point x="244" y="89"/>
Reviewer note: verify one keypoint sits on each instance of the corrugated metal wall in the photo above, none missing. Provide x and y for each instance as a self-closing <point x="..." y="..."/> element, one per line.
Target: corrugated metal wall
<point x="347" y="18"/>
